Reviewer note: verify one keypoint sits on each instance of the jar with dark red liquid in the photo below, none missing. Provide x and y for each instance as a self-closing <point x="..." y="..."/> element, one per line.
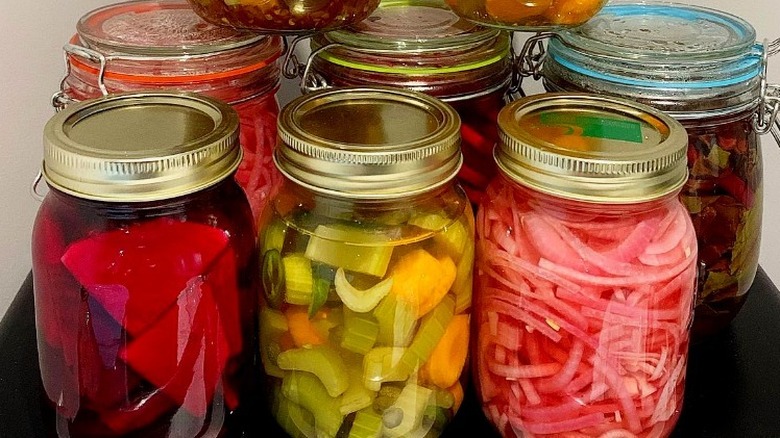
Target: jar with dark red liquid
<point x="704" y="68"/>
<point x="144" y="265"/>
<point x="163" y="44"/>
<point x="423" y="46"/>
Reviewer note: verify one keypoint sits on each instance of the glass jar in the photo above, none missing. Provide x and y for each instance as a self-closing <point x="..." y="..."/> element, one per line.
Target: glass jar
<point x="421" y="45"/>
<point x="585" y="271"/>
<point x="527" y="15"/>
<point x="704" y="68"/>
<point x="145" y="272"/>
<point x="162" y="44"/>
<point x="367" y="255"/>
<point x="284" y="17"/>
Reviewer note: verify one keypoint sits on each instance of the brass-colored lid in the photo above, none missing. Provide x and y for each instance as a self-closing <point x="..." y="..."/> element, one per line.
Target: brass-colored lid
<point x="136" y="147"/>
<point x="369" y="142"/>
<point x="592" y="148"/>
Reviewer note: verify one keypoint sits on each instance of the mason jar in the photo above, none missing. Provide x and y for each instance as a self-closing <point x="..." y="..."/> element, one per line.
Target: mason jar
<point x="704" y="68"/>
<point x="284" y="17"/>
<point x="145" y="271"/>
<point x="585" y="271"/>
<point x="163" y="44"/>
<point x="421" y="45"/>
<point x="367" y="253"/>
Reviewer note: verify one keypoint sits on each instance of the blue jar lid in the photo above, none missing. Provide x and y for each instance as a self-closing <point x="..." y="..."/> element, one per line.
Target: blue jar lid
<point x="668" y="48"/>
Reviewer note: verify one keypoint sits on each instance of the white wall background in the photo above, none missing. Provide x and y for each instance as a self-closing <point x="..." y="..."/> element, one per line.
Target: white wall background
<point x="32" y="66"/>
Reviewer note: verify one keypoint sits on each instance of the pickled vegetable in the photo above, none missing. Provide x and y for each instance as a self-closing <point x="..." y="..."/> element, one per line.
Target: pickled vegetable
<point x="583" y="316"/>
<point x="530" y="14"/>
<point x="724" y="199"/>
<point x="284" y="16"/>
<point x="370" y="338"/>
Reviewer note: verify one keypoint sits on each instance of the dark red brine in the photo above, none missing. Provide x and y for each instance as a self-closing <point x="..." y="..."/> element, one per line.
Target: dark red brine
<point x="424" y="46"/>
<point x="144" y="269"/>
<point x="163" y="44"/>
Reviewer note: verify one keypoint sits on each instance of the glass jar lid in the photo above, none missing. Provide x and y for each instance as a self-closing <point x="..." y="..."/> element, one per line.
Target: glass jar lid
<point x="163" y="31"/>
<point x="592" y="148"/>
<point x="660" y="53"/>
<point x="417" y="36"/>
<point x="137" y="147"/>
<point x="369" y="142"/>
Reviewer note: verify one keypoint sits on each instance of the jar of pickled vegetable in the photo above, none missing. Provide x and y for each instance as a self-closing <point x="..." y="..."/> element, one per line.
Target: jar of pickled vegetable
<point x="585" y="271"/>
<point x="527" y="15"/>
<point x="367" y="255"/>
<point x="144" y="266"/>
<point x="421" y="45"/>
<point x="704" y="68"/>
<point x="284" y="16"/>
<point x="163" y="44"/>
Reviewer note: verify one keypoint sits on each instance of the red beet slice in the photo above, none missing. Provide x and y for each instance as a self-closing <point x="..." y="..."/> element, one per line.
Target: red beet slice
<point x="185" y="352"/>
<point x="152" y="260"/>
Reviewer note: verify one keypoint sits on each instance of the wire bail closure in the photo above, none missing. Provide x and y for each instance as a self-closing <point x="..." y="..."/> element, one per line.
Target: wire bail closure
<point x="529" y="62"/>
<point x="60" y="100"/>
<point x="767" y="119"/>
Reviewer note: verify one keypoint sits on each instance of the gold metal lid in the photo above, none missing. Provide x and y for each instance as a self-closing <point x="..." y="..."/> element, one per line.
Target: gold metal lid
<point x="369" y="142"/>
<point x="592" y="148"/>
<point x="136" y="147"/>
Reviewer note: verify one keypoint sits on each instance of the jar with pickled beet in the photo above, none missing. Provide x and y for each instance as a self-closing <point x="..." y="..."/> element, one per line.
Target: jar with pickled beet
<point x="585" y="271"/>
<point x="145" y="271"/>
<point x="284" y="16"/>
<point x="527" y="15"/>
<point x="421" y="45"/>
<point x="367" y="253"/>
<point x="163" y="44"/>
<point x="704" y="68"/>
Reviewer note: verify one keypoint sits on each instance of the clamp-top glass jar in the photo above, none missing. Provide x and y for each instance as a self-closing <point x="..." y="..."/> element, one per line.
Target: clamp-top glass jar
<point x="367" y="255"/>
<point x="527" y="15"/>
<point x="163" y="44"/>
<point x="144" y="266"/>
<point x="585" y="272"/>
<point x="421" y="45"/>
<point x="704" y="68"/>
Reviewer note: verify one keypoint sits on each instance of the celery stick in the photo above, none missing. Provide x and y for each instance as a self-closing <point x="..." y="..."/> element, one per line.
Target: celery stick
<point x="383" y="364"/>
<point x="350" y="248"/>
<point x="273" y="325"/>
<point x="273" y="278"/>
<point x="360" y="332"/>
<point x="298" y="279"/>
<point x="396" y="322"/>
<point x="321" y="360"/>
<point x="451" y="236"/>
<point x="367" y="424"/>
<point x="411" y="406"/>
<point x="432" y="328"/>
<point x="306" y="390"/>
<point x="357" y="396"/>
<point x="462" y="286"/>
<point x="295" y="420"/>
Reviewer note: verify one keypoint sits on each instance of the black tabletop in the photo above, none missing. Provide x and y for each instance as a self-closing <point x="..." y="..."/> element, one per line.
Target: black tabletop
<point x="733" y="387"/>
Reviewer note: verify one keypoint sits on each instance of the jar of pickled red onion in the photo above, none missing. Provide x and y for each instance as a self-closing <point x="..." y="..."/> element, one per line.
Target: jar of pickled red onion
<point x="163" y="44"/>
<point x="423" y="46"/>
<point x="704" y="68"/>
<point x="585" y="271"/>
<point x="144" y="269"/>
<point x="367" y="255"/>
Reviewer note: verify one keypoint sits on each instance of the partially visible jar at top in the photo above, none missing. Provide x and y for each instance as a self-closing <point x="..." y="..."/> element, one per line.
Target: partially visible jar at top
<point x="145" y="271"/>
<point x="704" y="68"/>
<point x="585" y="271"/>
<point x="163" y="44"/>
<point x="284" y="16"/>
<point x="423" y="46"/>
<point x="367" y="254"/>
<point x="527" y="15"/>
